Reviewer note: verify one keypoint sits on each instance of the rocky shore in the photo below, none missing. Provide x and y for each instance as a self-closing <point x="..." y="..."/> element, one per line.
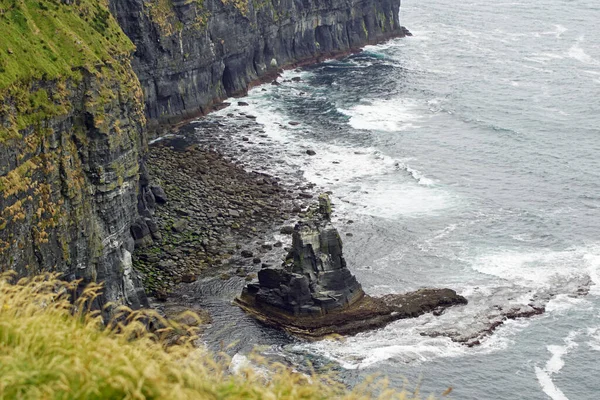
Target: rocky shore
<point x="212" y="215"/>
<point x="225" y="224"/>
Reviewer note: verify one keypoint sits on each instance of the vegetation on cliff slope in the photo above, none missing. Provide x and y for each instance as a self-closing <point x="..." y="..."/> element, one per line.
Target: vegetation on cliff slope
<point x="51" y="349"/>
<point x="50" y="39"/>
<point x="67" y="93"/>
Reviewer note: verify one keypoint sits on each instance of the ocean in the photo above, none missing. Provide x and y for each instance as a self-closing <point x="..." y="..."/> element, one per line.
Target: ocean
<point x="465" y="157"/>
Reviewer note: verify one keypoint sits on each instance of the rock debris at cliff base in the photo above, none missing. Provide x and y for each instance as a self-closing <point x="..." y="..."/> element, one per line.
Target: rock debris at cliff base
<point x="216" y="218"/>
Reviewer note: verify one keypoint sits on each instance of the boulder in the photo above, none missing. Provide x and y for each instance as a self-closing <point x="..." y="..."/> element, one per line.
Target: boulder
<point x="159" y="194"/>
<point x="141" y="233"/>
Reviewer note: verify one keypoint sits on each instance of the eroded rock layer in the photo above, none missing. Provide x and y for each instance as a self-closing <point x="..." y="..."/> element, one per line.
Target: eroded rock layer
<point x="314" y="280"/>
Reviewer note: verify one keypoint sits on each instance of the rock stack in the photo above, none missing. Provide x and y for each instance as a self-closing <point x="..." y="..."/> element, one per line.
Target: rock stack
<point x="314" y="280"/>
<point x="313" y="294"/>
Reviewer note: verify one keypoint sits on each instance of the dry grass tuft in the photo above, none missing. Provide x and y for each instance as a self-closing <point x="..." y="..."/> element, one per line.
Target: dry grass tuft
<point x="54" y="348"/>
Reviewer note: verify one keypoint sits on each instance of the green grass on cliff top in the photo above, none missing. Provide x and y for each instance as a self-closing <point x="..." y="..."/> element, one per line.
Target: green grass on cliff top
<point x="48" y="39"/>
<point x="50" y="349"/>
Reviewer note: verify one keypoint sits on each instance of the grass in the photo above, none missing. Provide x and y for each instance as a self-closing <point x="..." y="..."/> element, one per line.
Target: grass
<point x="53" y="348"/>
<point x="50" y="39"/>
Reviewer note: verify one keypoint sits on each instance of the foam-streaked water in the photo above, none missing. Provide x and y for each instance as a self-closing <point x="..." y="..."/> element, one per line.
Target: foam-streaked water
<point x="466" y="157"/>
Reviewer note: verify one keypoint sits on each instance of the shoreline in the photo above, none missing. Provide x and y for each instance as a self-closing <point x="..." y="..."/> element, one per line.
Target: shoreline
<point x="159" y="128"/>
<point x="236" y="134"/>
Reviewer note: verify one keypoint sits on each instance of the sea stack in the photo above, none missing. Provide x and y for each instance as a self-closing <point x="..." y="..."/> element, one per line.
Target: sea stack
<point x="314" y="294"/>
<point x="314" y="279"/>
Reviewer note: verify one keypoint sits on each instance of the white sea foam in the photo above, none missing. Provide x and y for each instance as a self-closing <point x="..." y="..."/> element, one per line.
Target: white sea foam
<point x="369" y="181"/>
<point x="548" y="386"/>
<point x="408" y="341"/>
<point x="593" y="262"/>
<point x="541" y="268"/>
<point x="557" y="32"/>
<point x="565" y="302"/>
<point x="576" y="52"/>
<point x="554" y="365"/>
<point x="384" y="115"/>
<point x="594" y="338"/>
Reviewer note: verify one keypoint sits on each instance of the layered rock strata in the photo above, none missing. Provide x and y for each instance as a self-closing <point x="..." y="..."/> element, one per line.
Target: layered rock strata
<point x="72" y="135"/>
<point x="193" y="54"/>
<point x="313" y="294"/>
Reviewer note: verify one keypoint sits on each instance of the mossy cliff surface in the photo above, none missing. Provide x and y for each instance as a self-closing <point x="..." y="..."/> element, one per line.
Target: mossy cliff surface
<point x="193" y="53"/>
<point x="71" y="136"/>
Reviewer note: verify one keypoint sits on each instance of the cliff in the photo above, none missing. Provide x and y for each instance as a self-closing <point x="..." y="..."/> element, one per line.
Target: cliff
<point x="192" y="54"/>
<point x="71" y="136"/>
<point x="77" y="85"/>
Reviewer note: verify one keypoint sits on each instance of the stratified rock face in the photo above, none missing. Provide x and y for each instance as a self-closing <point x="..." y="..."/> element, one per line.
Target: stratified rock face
<point x="314" y="280"/>
<point x="71" y="138"/>
<point x="191" y="54"/>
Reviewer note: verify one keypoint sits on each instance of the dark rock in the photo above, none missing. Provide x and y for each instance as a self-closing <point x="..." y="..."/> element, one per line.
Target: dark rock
<point x="311" y="152"/>
<point x="256" y="260"/>
<point x="294" y="123"/>
<point x="314" y="293"/>
<point x="141" y="233"/>
<point x="159" y="194"/>
<point x="287" y="230"/>
<point x="243" y="103"/>
<point x="180" y="225"/>
<point x="149" y="199"/>
<point x="247" y="254"/>
<point x="189" y="278"/>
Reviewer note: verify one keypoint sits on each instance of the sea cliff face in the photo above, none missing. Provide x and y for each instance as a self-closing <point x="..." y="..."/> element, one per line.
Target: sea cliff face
<point x="72" y="132"/>
<point x="77" y="85"/>
<point x="193" y="54"/>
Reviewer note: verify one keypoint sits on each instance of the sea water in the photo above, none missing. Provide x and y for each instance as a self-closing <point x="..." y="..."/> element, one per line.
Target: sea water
<point x="466" y="156"/>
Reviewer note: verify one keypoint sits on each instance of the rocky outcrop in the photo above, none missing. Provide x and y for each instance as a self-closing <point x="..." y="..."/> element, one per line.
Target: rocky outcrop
<point x="313" y="294"/>
<point x="193" y="54"/>
<point x="314" y="280"/>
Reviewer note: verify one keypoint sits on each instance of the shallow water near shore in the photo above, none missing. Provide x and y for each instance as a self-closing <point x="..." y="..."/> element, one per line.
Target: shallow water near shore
<point x="462" y="157"/>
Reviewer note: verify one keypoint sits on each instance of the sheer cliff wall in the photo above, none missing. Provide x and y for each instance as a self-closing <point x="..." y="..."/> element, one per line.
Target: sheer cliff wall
<point x="193" y="53"/>
<point x="79" y="79"/>
<point x="72" y="132"/>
